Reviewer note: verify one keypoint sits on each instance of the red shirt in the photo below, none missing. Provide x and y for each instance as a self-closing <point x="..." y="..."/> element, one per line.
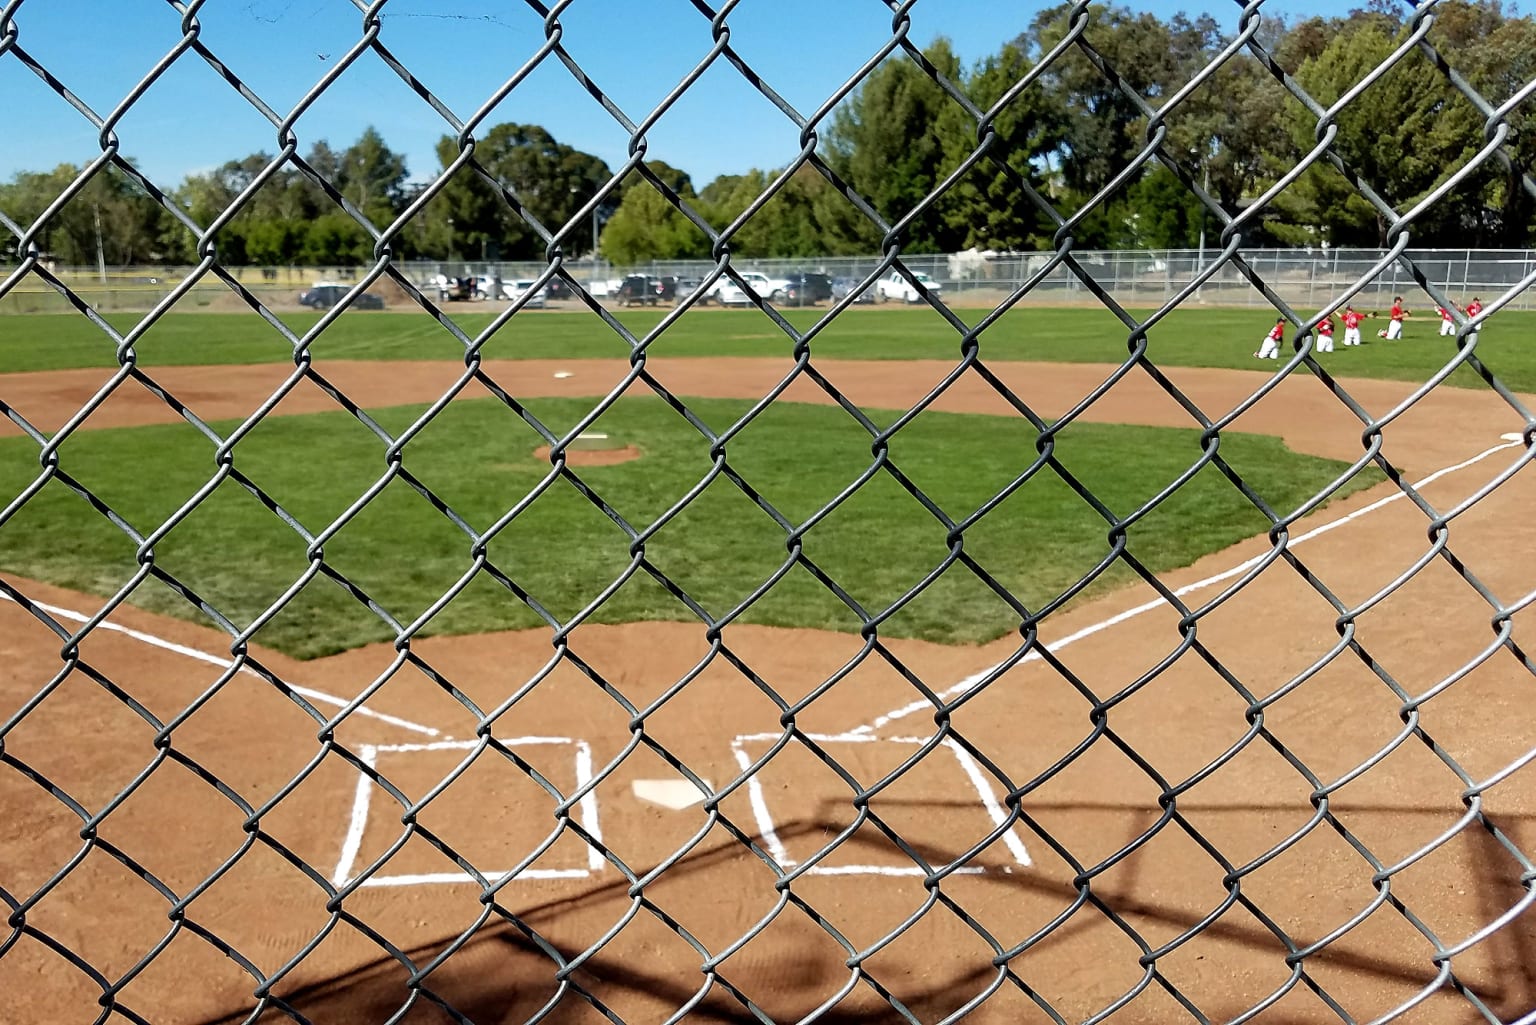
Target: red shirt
<point x="1326" y="327"/>
<point x="1445" y="314"/>
<point x="1352" y="319"/>
<point x="1397" y="311"/>
<point x="1278" y="332"/>
<point x="1474" y="308"/>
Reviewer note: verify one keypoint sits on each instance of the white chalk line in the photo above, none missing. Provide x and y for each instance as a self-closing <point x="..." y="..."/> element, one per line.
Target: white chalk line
<point x="1011" y="838"/>
<point x="1159" y="602"/>
<point x="359" y="824"/>
<point x="438" y="878"/>
<point x="467" y="745"/>
<point x="223" y="663"/>
<point x="362" y="800"/>
<point x="588" y="804"/>
<point x="768" y="829"/>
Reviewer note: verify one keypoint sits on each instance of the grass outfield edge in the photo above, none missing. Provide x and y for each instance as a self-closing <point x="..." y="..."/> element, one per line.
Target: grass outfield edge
<point x="1217" y="337"/>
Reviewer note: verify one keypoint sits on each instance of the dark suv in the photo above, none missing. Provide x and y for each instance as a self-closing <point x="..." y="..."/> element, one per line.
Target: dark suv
<point x="325" y="295"/>
<point x="638" y="288"/>
<point x="807" y="289"/>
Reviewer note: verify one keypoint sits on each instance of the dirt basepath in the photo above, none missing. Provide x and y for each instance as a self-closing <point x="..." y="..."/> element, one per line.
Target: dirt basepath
<point x="1300" y="410"/>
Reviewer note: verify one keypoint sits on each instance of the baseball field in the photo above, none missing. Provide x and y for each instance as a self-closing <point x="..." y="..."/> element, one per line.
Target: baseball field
<point x="996" y="671"/>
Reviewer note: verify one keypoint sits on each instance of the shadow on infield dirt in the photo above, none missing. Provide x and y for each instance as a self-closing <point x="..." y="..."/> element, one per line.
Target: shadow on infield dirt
<point x="501" y="976"/>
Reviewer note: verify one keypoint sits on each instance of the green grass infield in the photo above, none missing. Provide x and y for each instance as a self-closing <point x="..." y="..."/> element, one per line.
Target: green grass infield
<point x="478" y="458"/>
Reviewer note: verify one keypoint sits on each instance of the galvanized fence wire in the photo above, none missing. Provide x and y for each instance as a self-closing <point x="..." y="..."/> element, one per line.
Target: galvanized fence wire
<point x="1007" y="965"/>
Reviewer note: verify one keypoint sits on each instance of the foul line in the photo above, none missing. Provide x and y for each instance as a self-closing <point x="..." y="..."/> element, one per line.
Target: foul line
<point x="224" y="663"/>
<point x="1160" y="602"/>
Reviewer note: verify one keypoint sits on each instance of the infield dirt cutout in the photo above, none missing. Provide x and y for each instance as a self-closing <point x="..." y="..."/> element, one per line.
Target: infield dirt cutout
<point x="1212" y="946"/>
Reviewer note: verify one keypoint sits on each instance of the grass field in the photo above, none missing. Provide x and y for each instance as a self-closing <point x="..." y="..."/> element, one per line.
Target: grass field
<point x="477" y="457"/>
<point x="1189" y="337"/>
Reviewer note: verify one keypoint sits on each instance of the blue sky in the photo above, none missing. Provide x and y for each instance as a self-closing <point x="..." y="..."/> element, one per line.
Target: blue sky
<point x="635" y="50"/>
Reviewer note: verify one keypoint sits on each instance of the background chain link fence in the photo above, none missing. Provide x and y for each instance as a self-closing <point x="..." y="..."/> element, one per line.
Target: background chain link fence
<point x="685" y="971"/>
<point x="1133" y="277"/>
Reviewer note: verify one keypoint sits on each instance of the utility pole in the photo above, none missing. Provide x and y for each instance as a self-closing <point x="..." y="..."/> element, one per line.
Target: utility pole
<point x="1205" y="184"/>
<point x="101" y="253"/>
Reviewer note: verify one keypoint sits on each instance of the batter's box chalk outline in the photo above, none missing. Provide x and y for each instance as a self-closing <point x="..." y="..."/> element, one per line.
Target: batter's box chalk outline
<point x="766" y="827"/>
<point x="358" y="825"/>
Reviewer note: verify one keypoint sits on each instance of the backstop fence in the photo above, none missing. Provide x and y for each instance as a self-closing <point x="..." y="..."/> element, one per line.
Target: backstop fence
<point x="579" y="828"/>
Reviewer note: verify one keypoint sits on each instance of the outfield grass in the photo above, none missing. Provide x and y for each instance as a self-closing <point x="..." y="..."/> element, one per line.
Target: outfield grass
<point x="1189" y="337"/>
<point x="477" y="457"/>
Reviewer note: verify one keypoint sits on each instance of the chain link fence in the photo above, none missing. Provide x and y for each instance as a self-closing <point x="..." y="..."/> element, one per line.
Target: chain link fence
<point x="1044" y="872"/>
<point x="1138" y="278"/>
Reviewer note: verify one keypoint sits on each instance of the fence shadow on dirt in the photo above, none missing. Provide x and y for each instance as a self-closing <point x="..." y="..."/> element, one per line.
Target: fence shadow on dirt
<point x="501" y="977"/>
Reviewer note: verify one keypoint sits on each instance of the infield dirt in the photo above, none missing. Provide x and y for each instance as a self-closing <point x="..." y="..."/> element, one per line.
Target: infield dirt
<point x="1389" y="789"/>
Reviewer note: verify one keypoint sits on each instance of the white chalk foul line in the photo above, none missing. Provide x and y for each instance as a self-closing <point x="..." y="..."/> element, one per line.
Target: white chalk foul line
<point x="1157" y="603"/>
<point x="224" y="663"/>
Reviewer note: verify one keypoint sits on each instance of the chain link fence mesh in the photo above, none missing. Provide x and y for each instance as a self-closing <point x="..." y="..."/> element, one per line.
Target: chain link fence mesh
<point x="622" y="950"/>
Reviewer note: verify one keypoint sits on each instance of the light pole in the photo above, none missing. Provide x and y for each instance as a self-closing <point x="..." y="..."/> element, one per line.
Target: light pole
<point x="1205" y="172"/>
<point x="593" y="282"/>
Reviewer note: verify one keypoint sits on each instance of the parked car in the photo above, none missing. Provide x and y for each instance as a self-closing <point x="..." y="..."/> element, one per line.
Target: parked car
<point x="633" y="291"/>
<point x="520" y="288"/>
<point x="639" y="290"/>
<point x="842" y="287"/>
<point x="807" y="289"/>
<point x="558" y="289"/>
<point x="490" y="287"/>
<point x="895" y="287"/>
<point x="728" y="293"/>
<point x="325" y="294"/>
<point x="456" y="289"/>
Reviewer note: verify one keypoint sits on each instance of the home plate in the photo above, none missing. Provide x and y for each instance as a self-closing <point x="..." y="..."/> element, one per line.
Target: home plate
<point x="561" y="375"/>
<point x="675" y="794"/>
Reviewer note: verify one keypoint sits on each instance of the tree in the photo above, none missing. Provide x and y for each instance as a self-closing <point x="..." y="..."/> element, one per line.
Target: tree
<point x="110" y="217"/>
<point x="1104" y="129"/>
<point x="894" y="139"/>
<point x="1402" y="136"/>
<point x="987" y="208"/>
<point x="1164" y="214"/>
<point x="1497" y="56"/>
<point x="546" y="179"/>
<point x="372" y="178"/>
<point x="646" y="226"/>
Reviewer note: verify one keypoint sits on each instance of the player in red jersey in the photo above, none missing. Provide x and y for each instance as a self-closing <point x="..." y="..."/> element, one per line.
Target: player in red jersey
<point x="1395" y="319"/>
<point x="1473" y="309"/>
<point x="1352" y="319"/>
<point x="1447" y="321"/>
<point x="1270" y="347"/>
<point x="1325" y="334"/>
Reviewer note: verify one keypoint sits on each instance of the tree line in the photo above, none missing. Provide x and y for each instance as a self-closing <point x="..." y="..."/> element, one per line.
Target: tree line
<point x="1066" y="139"/>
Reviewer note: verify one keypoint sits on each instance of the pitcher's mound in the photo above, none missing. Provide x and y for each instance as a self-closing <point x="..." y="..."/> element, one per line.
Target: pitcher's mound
<point x="593" y="449"/>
